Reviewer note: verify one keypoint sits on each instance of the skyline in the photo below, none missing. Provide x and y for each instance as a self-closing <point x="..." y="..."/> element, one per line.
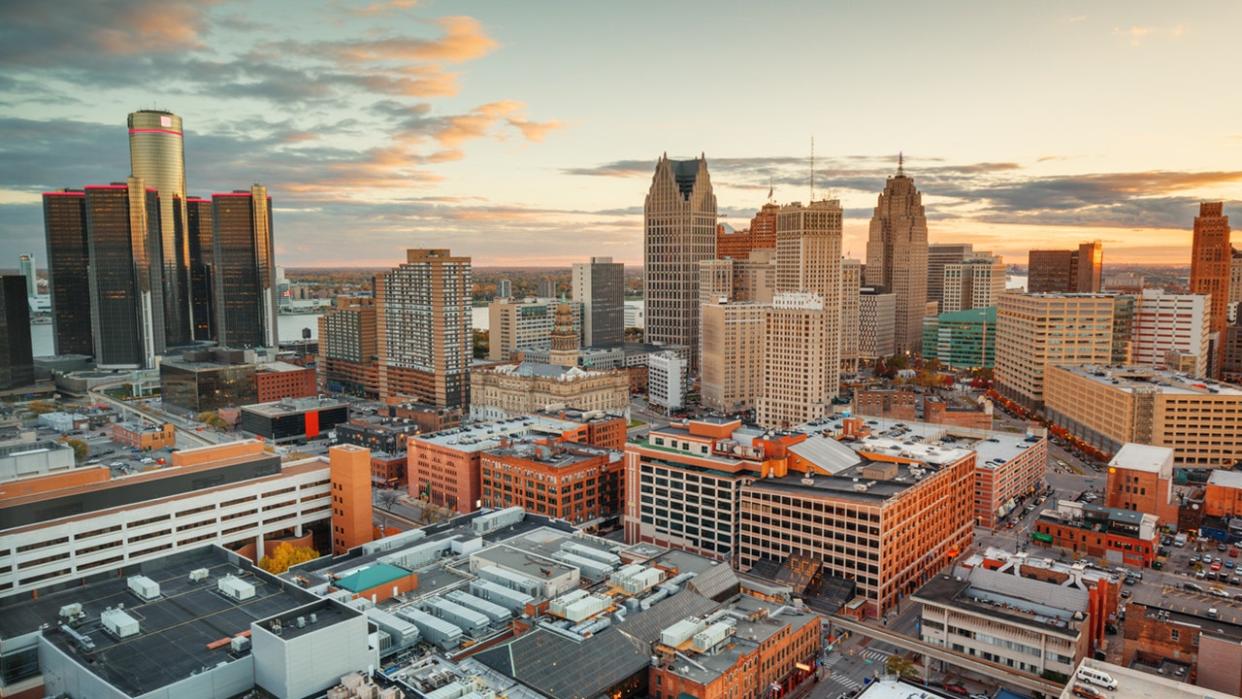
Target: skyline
<point x="401" y="124"/>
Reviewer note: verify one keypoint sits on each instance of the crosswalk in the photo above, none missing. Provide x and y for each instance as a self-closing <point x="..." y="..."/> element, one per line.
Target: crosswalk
<point x="875" y="655"/>
<point x="846" y="681"/>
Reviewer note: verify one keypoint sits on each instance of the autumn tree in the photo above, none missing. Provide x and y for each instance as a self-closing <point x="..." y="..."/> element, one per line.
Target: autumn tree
<point x="285" y="556"/>
<point x="80" y="450"/>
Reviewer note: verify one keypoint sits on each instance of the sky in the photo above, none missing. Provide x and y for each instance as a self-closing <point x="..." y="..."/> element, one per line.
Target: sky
<point x="526" y="133"/>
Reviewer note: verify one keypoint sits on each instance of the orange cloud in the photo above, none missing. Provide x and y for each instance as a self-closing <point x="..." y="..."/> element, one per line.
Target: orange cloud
<point x="423" y="81"/>
<point x="380" y="8"/>
<point x="534" y="130"/>
<point x="464" y="40"/>
<point x="153" y="27"/>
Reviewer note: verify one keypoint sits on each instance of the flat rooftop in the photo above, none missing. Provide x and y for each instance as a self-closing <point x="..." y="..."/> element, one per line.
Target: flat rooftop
<point x="557" y="457"/>
<point x="1142" y="457"/>
<point x="1141" y="378"/>
<point x="525" y="562"/>
<point x="487" y="435"/>
<point x="1050" y="606"/>
<point x="1227" y="479"/>
<point x="174" y="629"/>
<point x="1135" y="684"/>
<point x="293" y="406"/>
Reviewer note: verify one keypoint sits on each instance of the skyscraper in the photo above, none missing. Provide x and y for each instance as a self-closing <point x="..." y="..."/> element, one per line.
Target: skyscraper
<point x="68" y="282"/>
<point x="808" y="259"/>
<point x="851" y="288"/>
<point x="202" y="251"/>
<point x="16" y="362"/>
<point x="975" y="282"/>
<point x="244" y="269"/>
<point x="1210" y="258"/>
<point x="732" y="368"/>
<point x="939" y="255"/>
<point x="157" y="156"/>
<point x="348" y="348"/>
<point x="1034" y="331"/>
<point x="897" y="256"/>
<point x="599" y="285"/>
<point x="1066" y="271"/>
<point x="1170" y="331"/>
<point x="797" y="362"/>
<point x="679" y="230"/>
<point x="26" y="265"/>
<point x="123" y="225"/>
<point x="423" y="329"/>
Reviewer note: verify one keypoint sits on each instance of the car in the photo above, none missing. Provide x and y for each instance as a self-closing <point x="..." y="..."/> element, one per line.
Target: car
<point x="1212" y="613"/>
<point x="979" y="695"/>
<point x="1194" y="558"/>
<point x="955" y="689"/>
<point x="1201" y="575"/>
<point x="1082" y="690"/>
<point x="1216" y="566"/>
<point x="1166" y="540"/>
<point x="1233" y="551"/>
<point x="1126" y="594"/>
<point x="1220" y="593"/>
<point x="1236" y="580"/>
<point x="1229" y="565"/>
<point x="1192" y="587"/>
<point x="1222" y="547"/>
<point x="1207" y="558"/>
<point x="1130" y="580"/>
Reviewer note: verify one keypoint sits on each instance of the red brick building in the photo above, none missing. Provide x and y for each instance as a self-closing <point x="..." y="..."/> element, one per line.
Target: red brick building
<point x="279" y="380"/>
<point x="1100" y="532"/>
<point x="1223" y="495"/>
<point x="889" y="403"/>
<point x="1140" y="479"/>
<point x="575" y="483"/>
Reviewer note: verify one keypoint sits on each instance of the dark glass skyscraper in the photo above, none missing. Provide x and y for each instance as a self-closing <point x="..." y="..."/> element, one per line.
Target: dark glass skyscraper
<point x="123" y="225"/>
<point x="16" y="362"/>
<point x="201" y="251"/>
<point x="157" y="156"/>
<point x="64" y="225"/>
<point x="244" y="268"/>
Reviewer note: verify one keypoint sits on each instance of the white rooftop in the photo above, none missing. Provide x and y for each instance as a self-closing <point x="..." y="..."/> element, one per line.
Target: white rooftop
<point x="1135" y="684"/>
<point x="1143" y="457"/>
<point x="1228" y="479"/>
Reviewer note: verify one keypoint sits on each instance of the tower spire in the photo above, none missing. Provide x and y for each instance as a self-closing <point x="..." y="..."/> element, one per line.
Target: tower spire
<point x="901" y="170"/>
<point x="812" y="168"/>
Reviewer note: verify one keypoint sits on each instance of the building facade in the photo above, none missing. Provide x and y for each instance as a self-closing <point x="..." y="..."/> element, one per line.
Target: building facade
<point x="423" y="329"/>
<point x="16" y="355"/>
<point x="201" y="232"/>
<point x="731" y="373"/>
<point x="964" y="339"/>
<point x="243" y="258"/>
<point x="897" y="256"/>
<point x="1170" y="331"/>
<point x="679" y="230"/>
<point x="1066" y="271"/>
<point x="517" y="325"/>
<point x="348" y="359"/>
<point x="939" y="255"/>
<point x="668" y="379"/>
<point x="975" y="282"/>
<point x="1211" y="258"/>
<point x="509" y="390"/>
<point x="68" y="275"/>
<point x="1034" y="331"/>
<point x="851" y="288"/>
<point x="800" y="361"/>
<point x="1140" y="479"/>
<point x="877" y="324"/>
<point x="1111" y="534"/>
<point x="579" y="484"/>
<point x="599" y="285"/>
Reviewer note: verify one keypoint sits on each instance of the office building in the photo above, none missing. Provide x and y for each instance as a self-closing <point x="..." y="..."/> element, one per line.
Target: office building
<point x="761" y="235"/>
<point x="123" y="221"/>
<point x="1211" y="259"/>
<point x="1066" y="271"/>
<point x="1170" y="331"/>
<point x="1099" y="532"/>
<point x="157" y="158"/>
<point x="1140" y="479"/>
<point x="800" y="361"/>
<point x="26" y="268"/>
<point x="731" y="373"/>
<point x="579" y="484"/>
<point x="349" y="467"/>
<point x="964" y="339"/>
<point x="1109" y="406"/>
<point x="667" y="380"/>
<point x="715" y="280"/>
<point x="1235" y="277"/>
<point x="276" y="380"/>
<point x="205" y="380"/>
<point x="897" y="256"/>
<point x="547" y="289"/>
<point x="518" y="325"/>
<point x="679" y="230"/>
<point x="1008" y="466"/>
<point x="504" y="289"/>
<point x="509" y="390"/>
<point x="1034" y="331"/>
<point x="349" y="347"/>
<point x="975" y="282"/>
<point x="143" y="436"/>
<point x="599" y="285"/>
<point x="16" y="357"/>
<point x="293" y="419"/>
<point x="68" y="278"/>
<point x="244" y="268"/>
<point x="877" y="324"/>
<point x="1124" y="308"/>
<point x="423" y="329"/>
<point x="851" y="288"/>
<point x="202" y="268"/>
<point x="939" y="255"/>
<point x="752" y="279"/>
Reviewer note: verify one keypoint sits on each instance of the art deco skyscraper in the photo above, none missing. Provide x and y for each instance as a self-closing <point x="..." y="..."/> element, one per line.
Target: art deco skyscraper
<point x="423" y="329"/>
<point x="897" y="255"/>
<point x="808" y="260"/>
<point x="244" y="281"/>
<point x="64" y="224"/>
<point x="1210" y="258"/>
<point x="123" y="233"/>
<point x="679" y="230"/>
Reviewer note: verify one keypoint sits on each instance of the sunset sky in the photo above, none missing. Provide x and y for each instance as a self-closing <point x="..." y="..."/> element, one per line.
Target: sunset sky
<point x="526" y="132"/>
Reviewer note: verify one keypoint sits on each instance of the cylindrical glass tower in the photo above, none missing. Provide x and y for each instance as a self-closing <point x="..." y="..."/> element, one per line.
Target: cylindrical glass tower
<point x="157" y="155"/>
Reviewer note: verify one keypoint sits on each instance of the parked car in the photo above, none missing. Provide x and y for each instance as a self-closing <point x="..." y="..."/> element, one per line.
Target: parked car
<point x="1233" y="551"/>
<point x="1220" y="593"/>
<point x="1194" y="558"/>
<point x="1222" y="547"/>
<point x="955" y="689"/>
<point x="1082" y="690"/>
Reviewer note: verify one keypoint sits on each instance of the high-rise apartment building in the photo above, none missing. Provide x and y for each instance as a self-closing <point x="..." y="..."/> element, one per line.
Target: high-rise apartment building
<point x="517" y="325"/>
<point x="202" y="268"/>
<point x="157" y="157"/>
<point x="897" y="256"/>
<point x="877" y="324"/>
<point x="504" y="289"/>
<point x="245" y="268"/>
<point x="975" y="282"/>
<point x="1034" y="331"/>
<point x="679" y="231"/>
<point x="349" y="348"/>
<point x="423" y="326"/>
<point x="1235" y="277"/>
<point x="599" y="285"/>
<point x="16" y="360"/>
<point x="800" y="365"/>
<point x="1211" y="257"/>
<point x="68" y="262"/>
<point x="123" y="227"/>
<point x="1066" y="271"/>
<point x="731" y="373"/>
<point x="939" y="255"/>
<point x="1170" y="331"/>
<point x="851" y="287"/>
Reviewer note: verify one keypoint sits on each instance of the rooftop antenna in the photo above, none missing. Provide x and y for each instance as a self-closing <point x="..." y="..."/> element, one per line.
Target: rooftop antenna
<point x="901" y="170"/>
<point x="812" y="168"/>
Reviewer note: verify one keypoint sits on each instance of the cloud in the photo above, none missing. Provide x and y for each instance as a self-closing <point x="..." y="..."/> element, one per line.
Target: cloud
<point x="1136" y="35"/>
<point x="464" y="40"/>
<point x="380" y="8"/>
<point x="44" y="34"/>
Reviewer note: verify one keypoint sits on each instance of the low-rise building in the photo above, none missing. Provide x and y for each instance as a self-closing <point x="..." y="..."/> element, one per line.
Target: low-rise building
<point x="1223" y="495"/>
<point x="1140" y="478"/>
<point x="204" y="380"/>
<point x="577" y="483"/>
<point x="293" y="419"/>
<point x="1195" y="639"/>
<point x="28" y="456"/>
<point x="1110" y="406"/>
<point x="1108" y="533"/>
<point x="276" y="380"/>
<point x="388" y="435"/>
<point x="962" y="411"/>
<point x="1139" y="684"/>
<point x="509" y="390"/>
<point x="895" y="404"/>
<point x="144" y="437"/>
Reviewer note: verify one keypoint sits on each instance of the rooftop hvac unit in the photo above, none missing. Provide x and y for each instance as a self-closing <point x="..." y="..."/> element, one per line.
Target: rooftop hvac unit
<point x="712" y="636"/>
<point x="624" y="574"/>
<point x="199" y="575"/>
<point x="589" y="568"/>
<point x="491" y="610"/>
<point x="591" y="552"/>
<point x="239" y="644"/>
<point x="235" y="588"/>
<point x="513" y="600"/>
<point x="119" y="623"/>
<point x="560" y="604"/>
<point x="144" y="587"/>
<point x="681" y="632"/>
<point x="468" y="620"/>
<point x="642" y="581"/>
<point x="499" y="519"/>
<point x="587" y="607"/>
<point x="71" y="612"/>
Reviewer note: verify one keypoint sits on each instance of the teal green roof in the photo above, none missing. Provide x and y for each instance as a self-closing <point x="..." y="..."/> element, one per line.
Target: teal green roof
<point x="973" y="315"/>
<point x="374" y="576"/>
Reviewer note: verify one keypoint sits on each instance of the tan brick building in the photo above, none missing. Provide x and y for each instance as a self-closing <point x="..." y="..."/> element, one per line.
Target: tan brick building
<point x="731" y="372"/>
<point x="1034" y="331"/>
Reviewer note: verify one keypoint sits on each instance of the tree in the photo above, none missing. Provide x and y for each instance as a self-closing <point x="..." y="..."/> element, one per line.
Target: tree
<point x="902" y="666"/>
<point x="212" y="418"/>
<point x="39" y="407"/>
<point x="481" y="343"/>
<point x="285" y="556"/>
<point x="388" y="498"/>
<point x="80" y="450"/>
